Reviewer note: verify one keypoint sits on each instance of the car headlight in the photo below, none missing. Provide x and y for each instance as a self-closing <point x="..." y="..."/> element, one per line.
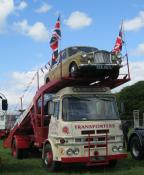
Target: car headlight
<point x="114" y="149"/>
<point x="69" y="152"/>
<point x="84" y="55"/>
<point x="76" y="151"/>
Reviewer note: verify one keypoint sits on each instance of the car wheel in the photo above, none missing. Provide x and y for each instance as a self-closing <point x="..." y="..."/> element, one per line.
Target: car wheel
<point x="48" y="162"/>
<point x="114" y="74"/>
<point x="73" y="70"/>
<point x="136" y="149"/>
<point x="47" y="80"/>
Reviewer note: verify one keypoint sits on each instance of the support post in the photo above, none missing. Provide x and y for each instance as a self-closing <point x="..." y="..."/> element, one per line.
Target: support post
<point x="37" y="80"/>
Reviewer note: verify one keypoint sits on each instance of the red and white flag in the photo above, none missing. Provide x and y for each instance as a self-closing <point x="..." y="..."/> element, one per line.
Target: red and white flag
<point x="56" y="35"/>
<point x="119" y="42"/>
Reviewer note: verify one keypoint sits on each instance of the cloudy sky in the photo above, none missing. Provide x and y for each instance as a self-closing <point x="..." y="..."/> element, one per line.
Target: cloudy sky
<point x="25" y="32"/>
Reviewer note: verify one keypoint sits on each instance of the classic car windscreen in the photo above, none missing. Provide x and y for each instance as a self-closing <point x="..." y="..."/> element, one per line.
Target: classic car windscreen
<point x="89" y="108"/>
<point x="74" y="50"/>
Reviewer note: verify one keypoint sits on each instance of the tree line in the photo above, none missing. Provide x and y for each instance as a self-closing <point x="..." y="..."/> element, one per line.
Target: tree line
<point x="131" y="98"/>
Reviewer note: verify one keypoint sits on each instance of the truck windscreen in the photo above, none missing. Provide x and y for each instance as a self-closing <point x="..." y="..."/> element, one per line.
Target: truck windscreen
<point x="82" y="108"/>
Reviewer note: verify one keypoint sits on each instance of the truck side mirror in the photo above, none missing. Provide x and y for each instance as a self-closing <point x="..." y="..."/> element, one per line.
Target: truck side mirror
<point x="122" y="107"/>
<point x="4" y="105"/>
<point x="51" y="108"/>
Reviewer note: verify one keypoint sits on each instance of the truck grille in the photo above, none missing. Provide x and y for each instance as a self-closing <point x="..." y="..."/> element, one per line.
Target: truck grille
<point x="102" y="58"/>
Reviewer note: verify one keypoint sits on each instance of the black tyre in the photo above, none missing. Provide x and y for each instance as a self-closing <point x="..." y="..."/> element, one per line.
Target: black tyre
<point x="112" y="163"/>
<point x="73" y="70"/>
<point x="16" y="152"/>
<point x="114" y="75"/>
<point x="48" y="163"/>
<point x="136" y="149"/>
<point x="47" y="80"/>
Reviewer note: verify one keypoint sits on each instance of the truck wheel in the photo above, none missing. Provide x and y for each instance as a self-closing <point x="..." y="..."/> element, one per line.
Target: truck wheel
<point x="16" y="152"/>
<point x="112" y="163"/>
<point x="73" y="70"/>
<point x="136" y="149"/>
<point x="48" y="162"/>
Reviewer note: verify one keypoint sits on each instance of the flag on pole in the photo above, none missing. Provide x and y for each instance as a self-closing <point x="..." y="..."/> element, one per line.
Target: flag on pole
<point x="56" y="35"/>
<point x="119" y="41"/>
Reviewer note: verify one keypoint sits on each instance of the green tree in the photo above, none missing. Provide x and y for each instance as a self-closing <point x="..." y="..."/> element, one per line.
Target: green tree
<point x="131" y="98"/>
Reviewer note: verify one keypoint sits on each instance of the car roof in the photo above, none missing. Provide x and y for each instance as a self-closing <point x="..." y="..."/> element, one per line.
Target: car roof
<point x="81" y="46"/>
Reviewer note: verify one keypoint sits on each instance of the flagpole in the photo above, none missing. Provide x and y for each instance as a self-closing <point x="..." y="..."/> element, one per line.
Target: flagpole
<point x="125" y="44"/>
<point x="37" y="80"/>
<point x="55" y="45"/>
<point x="21" y="102"/>
<point x="60" y="50"/>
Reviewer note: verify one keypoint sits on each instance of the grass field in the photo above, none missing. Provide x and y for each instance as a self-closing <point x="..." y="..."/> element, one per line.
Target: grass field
<point x="33" y="166"/>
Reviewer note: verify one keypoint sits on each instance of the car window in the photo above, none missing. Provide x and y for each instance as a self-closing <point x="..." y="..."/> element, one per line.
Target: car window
<point x="39" y="105"/>
<point x="72" y="51"/>
<point x="63" y="54"/>
<point x="56" y="109"/>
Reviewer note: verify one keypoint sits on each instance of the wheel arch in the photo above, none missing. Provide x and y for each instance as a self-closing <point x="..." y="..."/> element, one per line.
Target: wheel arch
<point x="73" y="62"/>
<point x="22" y="142"/>
<point x="46" y="79"/>
<point x="52" y="147"/>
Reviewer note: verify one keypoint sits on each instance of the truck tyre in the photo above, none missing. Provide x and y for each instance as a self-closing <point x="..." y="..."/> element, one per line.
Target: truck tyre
<point x="48" y="163"/>
<point x="136" y="149"/>
<point x="73" y="70"/>
<point x="112" y="163"/>
<point x="16" y="152"/>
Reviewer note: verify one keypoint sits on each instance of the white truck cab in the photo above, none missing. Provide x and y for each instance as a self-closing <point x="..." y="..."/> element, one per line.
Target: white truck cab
<point x="84" y="128"/>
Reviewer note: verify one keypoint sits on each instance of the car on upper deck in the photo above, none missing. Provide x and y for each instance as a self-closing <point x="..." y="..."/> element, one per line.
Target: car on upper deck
<point x="84" y="61"/>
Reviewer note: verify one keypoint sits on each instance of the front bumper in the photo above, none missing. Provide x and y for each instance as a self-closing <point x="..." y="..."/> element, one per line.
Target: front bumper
<point x="99" y="71"/>
<point x="93" y="159"/>
<point x="99" y="66"/>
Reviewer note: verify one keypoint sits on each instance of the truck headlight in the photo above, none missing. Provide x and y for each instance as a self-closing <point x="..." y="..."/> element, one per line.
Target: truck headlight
<point x="76" y="151"/>
<point x="69" y="152"/>
<point x="120" y="148"/>
<point x="114" y="149"/>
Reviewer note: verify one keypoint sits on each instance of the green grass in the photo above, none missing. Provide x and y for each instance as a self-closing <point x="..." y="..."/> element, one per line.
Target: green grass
<point x="33" y="166"/>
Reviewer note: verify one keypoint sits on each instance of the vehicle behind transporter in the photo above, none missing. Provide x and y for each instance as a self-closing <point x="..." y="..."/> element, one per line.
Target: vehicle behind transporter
<point x="4" y="107"/>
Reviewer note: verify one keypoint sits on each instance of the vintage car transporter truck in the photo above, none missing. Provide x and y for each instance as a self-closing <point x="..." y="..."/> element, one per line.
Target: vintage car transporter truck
<point x="72" y="120"/>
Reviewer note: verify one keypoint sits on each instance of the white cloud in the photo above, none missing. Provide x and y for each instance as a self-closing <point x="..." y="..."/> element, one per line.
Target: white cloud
<point x="136" y="73"/>
<point x="139" y="51"/>
<point x="22" y="5"/>
<point x="15" y="86"/>
<point x="6" y="8"/>
<point x="44" y="8"/>
<point x="135" y="23"/>
<point x="21" y="84"/>
<point x="78" y="20"/>
<point x="37" y="31"/>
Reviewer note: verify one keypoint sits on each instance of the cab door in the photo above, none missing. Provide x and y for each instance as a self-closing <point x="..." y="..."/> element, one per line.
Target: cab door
<point x="53" y="127"/>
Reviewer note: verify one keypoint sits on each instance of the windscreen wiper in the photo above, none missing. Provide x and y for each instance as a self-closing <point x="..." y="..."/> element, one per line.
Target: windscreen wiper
<point x="103" y="98"/>
<point x="80" y="98"/>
